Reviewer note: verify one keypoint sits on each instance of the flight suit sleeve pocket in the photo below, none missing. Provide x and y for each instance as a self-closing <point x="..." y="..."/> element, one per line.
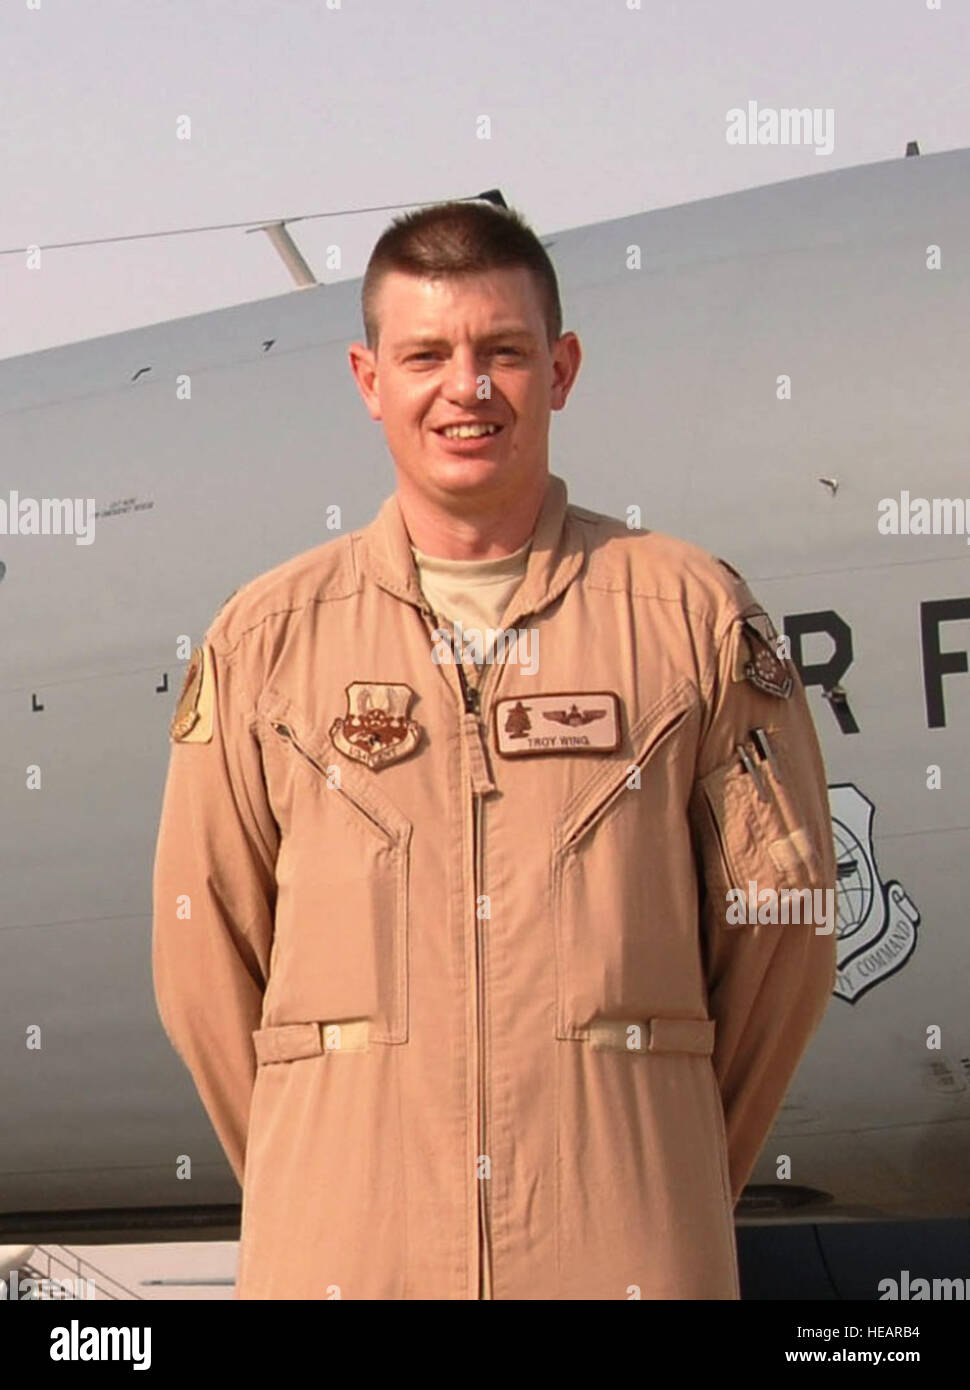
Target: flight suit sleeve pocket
<point x="750" y="825"/>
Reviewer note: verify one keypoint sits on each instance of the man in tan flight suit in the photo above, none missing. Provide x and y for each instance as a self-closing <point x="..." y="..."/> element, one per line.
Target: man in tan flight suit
<point x="460" y="930"/>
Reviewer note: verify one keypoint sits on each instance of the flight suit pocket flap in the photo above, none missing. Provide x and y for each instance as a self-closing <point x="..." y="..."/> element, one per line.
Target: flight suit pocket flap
<point x="288" y="1042"/>
<point x="607" y="783"/>
<point x="317" y="751"/>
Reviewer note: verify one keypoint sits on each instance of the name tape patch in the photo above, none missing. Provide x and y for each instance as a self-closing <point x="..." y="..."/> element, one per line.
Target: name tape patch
<point x="582" y="721"/>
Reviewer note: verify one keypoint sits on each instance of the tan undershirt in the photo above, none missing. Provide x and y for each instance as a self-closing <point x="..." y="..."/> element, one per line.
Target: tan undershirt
<point x="473" y="592"/>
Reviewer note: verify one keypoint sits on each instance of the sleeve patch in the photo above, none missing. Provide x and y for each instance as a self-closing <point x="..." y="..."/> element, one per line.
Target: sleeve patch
<point x="757" y="660"/>
<point x="192" y="722"/>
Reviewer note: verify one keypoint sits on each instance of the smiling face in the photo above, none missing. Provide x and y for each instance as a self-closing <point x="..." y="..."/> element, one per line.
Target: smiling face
<point x="440" y="339"/>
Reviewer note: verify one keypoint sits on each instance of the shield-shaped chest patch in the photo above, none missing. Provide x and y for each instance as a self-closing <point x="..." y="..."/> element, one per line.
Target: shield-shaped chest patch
<point x="376" y="729"/>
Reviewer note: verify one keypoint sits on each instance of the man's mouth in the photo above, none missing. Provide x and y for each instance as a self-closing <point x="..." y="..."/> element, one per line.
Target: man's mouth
<point x="468" y="431"/>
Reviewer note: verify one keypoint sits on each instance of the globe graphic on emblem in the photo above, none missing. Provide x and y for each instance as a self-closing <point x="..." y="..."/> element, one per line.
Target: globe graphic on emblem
<point x="855" y="886"/>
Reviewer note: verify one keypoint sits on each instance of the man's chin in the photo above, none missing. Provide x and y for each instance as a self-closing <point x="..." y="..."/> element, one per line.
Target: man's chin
<point x="482" y="481"/>
<point x="469" y="474"/>
<point x="464" y="477"/>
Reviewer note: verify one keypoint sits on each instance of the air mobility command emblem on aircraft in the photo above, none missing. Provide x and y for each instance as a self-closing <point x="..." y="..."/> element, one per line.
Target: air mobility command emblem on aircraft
<point x="876" y="921"/>
<point x="192" y="721"/>
<point x="376" y="729"/>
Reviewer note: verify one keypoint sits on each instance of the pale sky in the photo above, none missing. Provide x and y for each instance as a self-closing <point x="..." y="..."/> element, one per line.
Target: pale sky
<point x="597" y="110"/>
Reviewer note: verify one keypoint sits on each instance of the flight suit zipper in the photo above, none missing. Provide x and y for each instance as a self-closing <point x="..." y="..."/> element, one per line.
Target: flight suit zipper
<point x="481" y="785"/>
<point x="483" y="1176"/>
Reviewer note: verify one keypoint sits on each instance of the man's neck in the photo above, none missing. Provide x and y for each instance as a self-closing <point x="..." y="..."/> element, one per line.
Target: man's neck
<point x="499" y="527"/>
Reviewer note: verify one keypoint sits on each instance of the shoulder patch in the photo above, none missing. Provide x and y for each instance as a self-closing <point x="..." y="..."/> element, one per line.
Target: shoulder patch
<point x="757" y="660"/>
<point x="192" y="722"/>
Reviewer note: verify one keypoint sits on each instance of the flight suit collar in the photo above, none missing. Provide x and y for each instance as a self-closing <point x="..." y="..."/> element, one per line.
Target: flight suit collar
<point x="555" y="556"/>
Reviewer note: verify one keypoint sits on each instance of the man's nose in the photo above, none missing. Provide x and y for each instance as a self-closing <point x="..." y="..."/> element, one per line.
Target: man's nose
<point x="461" y="376"/>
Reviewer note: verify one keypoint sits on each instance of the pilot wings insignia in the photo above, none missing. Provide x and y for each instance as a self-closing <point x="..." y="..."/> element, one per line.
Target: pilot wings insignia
<point x="573" y="717"/>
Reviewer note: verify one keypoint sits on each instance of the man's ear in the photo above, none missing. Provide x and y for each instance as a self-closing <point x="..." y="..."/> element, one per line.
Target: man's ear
<point x="363" y="364"/>
<point x="566" y="357"/>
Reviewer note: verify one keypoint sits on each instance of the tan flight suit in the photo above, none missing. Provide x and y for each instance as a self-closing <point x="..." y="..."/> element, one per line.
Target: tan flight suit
<point x="458" y="972"/>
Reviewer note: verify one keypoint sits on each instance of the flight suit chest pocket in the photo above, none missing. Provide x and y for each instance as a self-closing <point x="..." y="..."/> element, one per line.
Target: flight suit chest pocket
<point x="618" y="851"/>
<point x="752" y="829"/>
<point x="341" y="940"/>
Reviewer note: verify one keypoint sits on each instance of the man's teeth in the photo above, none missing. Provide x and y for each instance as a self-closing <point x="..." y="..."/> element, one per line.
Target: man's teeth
<point x="469" y="431"/>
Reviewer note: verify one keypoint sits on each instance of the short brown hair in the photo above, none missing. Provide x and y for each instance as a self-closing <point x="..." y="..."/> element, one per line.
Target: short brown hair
<point x="460" y="238"/>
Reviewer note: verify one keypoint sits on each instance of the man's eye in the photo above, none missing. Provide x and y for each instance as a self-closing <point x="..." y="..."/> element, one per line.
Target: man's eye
<point x="504" y="350"/>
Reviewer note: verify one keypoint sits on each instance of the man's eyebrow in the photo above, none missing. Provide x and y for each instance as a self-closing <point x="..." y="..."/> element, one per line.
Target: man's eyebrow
<point x="493" y="335"/>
